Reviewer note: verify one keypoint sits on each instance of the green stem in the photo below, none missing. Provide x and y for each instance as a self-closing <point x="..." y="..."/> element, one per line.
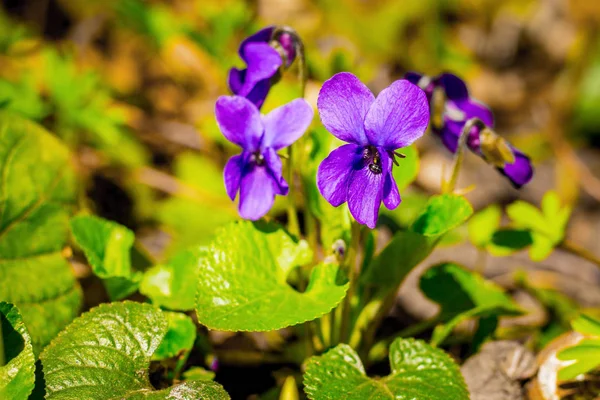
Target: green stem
<point x="580" y="251"/>
<point x="449" y="186"/>
<point x="293" y="226"/>
<point x="332" y="328"/>
<point x="352" y="277"/>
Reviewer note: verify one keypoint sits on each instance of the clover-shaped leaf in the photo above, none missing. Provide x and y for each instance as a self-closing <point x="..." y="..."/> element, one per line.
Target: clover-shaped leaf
<point x="105" y="354"/>
<point x="37" y="197"/>
<point x="585" y="355"/>
<point x="547" y="224"/>
<point x="483" y="224"/>
<point x="463" y="294"/>
<point x="107" y="246"/>
<point x="17" y="362"/>
<point x="242" y="281"/>
<point x="419" y="371"/>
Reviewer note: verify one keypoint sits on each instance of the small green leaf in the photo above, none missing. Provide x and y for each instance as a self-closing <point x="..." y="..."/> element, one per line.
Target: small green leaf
<point x="584" y="357"/>
<point x="107" y="246"/>
<point x="442" y="213"/>
<point x="407" y="171"/>
<point x="506" y="241"/>
<point x="105" y="354"/>
<point x="547" y="225"/>
<point x="198" y="374"/>
<point x="173" y="285"/>
<point x="242" y="281"/>
<point x="17" y="362"/>
<point x="463" y="294"/>
<point x="483" y="224"/>
<point x="586" y="325"/>
<point x="37" y="197"/>
<point x="419" y="371"/>
<point x="180" y="336"/>
<point x="389" y="268"/>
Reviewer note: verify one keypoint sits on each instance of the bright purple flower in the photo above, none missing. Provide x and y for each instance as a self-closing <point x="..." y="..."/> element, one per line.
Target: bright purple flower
<point x="263" y="56"/>
<point x="361" y="172"/>
<point x="257" y="172"/>
<point x="458" y="108"/>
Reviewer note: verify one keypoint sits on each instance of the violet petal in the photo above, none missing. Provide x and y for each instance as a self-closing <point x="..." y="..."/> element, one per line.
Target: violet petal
<point x="286" y="124"/>
<point x="521" y="171"/>
<point x="343" y="104"/>
<point x="257" y="193"/>
<point x="262" y="36"/>
<point x="263" y="62"/>
<point x="399" y="116"/>
<point x="335" y="171"/>
<point x="239" y="121"/>
<point x="232" y="174"/>
<point x="274" y="163"/>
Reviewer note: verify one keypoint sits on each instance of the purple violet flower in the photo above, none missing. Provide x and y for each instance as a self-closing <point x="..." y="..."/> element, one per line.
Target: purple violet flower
<point x="458" y="108"/>
<point x="264" y="55"/>
<point x="360" y="172"/>
<point x="257" y="172"/>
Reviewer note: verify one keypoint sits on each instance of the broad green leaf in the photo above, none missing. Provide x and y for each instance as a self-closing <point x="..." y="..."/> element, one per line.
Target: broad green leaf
<point x="405" y="173"/>
<point x="442" y="213"/>
<point x="584" y="357"/>
<point x="506" y="241"/>
<point x="38" y="195"/>
<point x="242" y="281"/>
<point x="419" y="371"/>
<point x="483" y="224"/>
<point x="17" y="361"/>
<point x="107" y="246"/>
<point x="389" y="268"/>
<point x="180" y="336"/>
<point x="173" y="285"/>
<point x="547" y="225"/>
<point x="463" y="294"/>
<point x="105" y="354"/>
<point x="586" y="325"/>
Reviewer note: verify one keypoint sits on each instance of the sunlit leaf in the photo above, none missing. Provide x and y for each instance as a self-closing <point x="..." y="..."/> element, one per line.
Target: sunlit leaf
<point x="407" y="171"/>
<point x="17" y="362"/>
<point x="419" y="371"/>
<point x="483" y="224"/>
<point x="442" y="213"/>
<point x="242" y="281"/>
<point x="105" y="354"/>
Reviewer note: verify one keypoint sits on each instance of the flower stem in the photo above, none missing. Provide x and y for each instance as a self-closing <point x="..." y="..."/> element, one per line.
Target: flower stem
<point x="352" y="277"/>
<point x="580" y="251"/>
<point x="448" y="187"/>
<point x="293" y="226"/>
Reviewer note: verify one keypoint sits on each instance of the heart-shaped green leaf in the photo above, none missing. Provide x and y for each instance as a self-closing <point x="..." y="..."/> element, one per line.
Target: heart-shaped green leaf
<point x="37" y="196"/>
<point x="442" y="213"/>
<point x="17" y="362"/>
<point x="242" y="281"/>
<point x="419" y="371"/>
<point x="463" y="294"/>
<point x="107" y="246"/>
<point x="105" y="354"/>
<point x="173" y="285"/>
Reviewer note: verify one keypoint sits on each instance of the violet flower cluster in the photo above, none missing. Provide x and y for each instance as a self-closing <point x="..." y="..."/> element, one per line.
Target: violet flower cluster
<point x="257" y="172"/>
<point x="457" y="110"/>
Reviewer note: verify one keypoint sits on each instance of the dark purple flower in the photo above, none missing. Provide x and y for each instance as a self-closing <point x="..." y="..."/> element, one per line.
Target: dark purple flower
<point x="257" y="172"/>
<point x="264" y="55"/>
<point x="361" y="172"/>
<point x="457" y="109"/>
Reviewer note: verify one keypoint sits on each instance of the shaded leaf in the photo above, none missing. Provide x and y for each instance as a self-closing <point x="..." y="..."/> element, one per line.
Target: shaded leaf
<point x="107" y="246"/>
<point x="242" y="281"/>
<point x="419" y="371"/>
<point x="37" y="197"/>
<point x="17" y="362"/>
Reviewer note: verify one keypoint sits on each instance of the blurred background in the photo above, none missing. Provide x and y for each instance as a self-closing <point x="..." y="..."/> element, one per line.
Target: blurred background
<point x="130" y="86"/>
